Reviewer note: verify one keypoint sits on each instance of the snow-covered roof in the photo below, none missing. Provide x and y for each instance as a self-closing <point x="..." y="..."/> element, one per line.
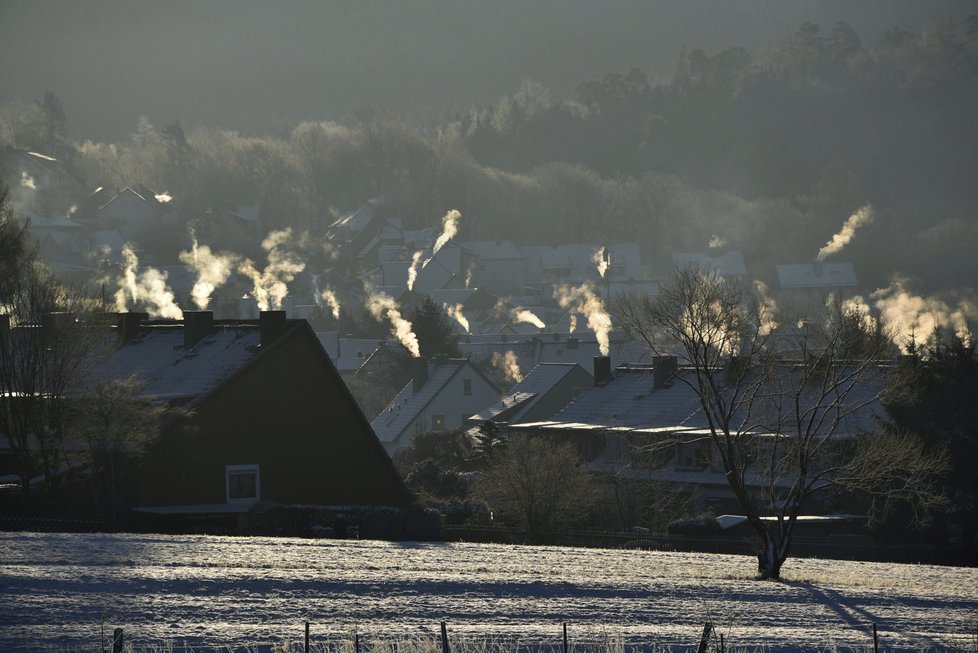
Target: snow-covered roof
<point x="246" y="213"/>
<point x="157" y="357"/>
<point x="728" y="264"/>
<point x="347" y="354"/>
<point x="493" y="249"/>
<point x="527" y="393"/>
<point x="817" y="275"/>
<point x="408" y="404"/>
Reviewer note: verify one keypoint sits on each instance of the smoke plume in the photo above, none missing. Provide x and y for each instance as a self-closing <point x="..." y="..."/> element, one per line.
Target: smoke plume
<point x="213" y="271"/>
<point x="858" y="219"/>
<point x="332" y="301"/>
<point x="600" y="260"/>
<point x="383" y="306"/>
<point x="910" y="316"/>
<point x="413" y="270"/>
<point x="527" y="316"/>
<point x="573" y="322"/>
<point x="270" y="286"/>
<point x="455" y="312"/>
<point x="27" y="181"/>
<point x="449" y="229"/>
<point x="583" y="300"/>
<point x="164" y="198"/>
<point x="767" y="308"/>
<point x="508" y="363"/>
<point x="146" y="289"/>
<point x="716" y="242"/>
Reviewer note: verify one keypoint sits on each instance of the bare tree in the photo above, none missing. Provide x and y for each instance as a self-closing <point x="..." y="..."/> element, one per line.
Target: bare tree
<point x="43" y="347"/>
<point x="537" y="484"/>
<point x="783" y="406"/>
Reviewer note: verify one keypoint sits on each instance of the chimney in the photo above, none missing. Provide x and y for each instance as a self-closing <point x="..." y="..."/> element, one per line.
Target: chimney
<point x="602" y="370"/>
<point x="271" y="325"/>
<point x="664" y="368"/>
<point x="419" y="373"/>
<point x="128" y="325"/>
<point x="196" y="326"/>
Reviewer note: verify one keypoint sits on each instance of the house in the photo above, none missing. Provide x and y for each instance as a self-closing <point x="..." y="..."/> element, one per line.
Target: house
<point x="442" y="395"/>
<point x="728" y="264"/>
<point x="542" y="393"/>
<point x="134" y="211"/>
<point x="238" y="230"/>
<point x="267" y="421"/>
<point x="497" y="266"/>
<point x="639" y="408"/>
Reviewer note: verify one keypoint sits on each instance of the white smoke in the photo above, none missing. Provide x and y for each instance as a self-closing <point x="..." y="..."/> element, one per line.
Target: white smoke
<point x="509" y="364"/>
<point x="27" y="181"/>
<point x="71" y="210"/>
<point x="861" y="217"/>
<point x="917" y="317"/>
<point x="383" y="306"/>
<point x="857" y="306"/>
<point x="147" y="289"/>
<point x="469" y="273"/>
<point x="164" y="198"/>
<point x="573" y="322"/>
<point x="448" y="231"/>
<point x="455" y="312"/>
<point x="716" y="242"/>
<point x="527" y="316"/>
<point x="330" y="298"/>
<point x="583" y="300"/>
<point x="767" y="308"/>
<point x="270" y="286"/>
<point x="213" y="271"/>
<point x="600" y="260"/>
<point x="413" y="269"/>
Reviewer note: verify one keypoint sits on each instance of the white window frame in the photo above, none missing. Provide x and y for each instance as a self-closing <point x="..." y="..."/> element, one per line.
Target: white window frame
<point x="237" y="469"/>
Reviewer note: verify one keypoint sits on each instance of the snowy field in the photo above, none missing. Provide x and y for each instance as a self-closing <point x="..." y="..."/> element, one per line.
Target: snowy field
<point x="56" y="589"/>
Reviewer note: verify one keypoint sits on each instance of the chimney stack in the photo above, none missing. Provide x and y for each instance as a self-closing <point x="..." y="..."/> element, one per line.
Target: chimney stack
<point x="128" y="325"/>
<point x="271" y="325"/>
<point x="602" y="370"/>
<point x="196" y="326"/>
<point x="419" y="373"/>
<point x="664" y="368"/>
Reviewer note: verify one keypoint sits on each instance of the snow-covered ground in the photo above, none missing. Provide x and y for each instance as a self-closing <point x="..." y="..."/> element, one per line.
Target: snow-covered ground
<point x="56" y="590"/>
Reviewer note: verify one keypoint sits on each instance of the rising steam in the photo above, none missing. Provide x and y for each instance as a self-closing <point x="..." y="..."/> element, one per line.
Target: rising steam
<point x="859" y="218"/>
<point x="508" y="363"/>
<point x="716" y="242"/>
<point x="383" y="306"/>
<point x="527" y="316"/>
<point x="332" y="301"/>
<point x="767" y="308"/>
<point x="147" y="289"/>
<point x="583" y="300"/>
<point x="212" y="269"/>
<point x="164" y="198"/>
<point x="449" y="229"/>
<point x="270" y="286"/>
<point x="573" y="322"/>
<point x="27" y="181"/>
<point x="455" y="312"/>
<point x="413" y="270"/>
<point x="912" y="316"/>
<point x="600" y="260"/>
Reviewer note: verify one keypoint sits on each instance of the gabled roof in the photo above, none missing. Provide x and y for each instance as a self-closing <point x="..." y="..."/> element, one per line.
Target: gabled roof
<point x="170" y="372"/>
<point x="408" y="404"/>
<point x="541" y="380"/>
<point x="493" y="249"/>
<point x="246" y="213"/>
<point x="817" y="275"/>
<point x="728" y="264"/>
<point x="630" y="402"/>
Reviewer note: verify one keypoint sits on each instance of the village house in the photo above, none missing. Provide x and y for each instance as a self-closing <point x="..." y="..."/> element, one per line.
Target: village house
<point x="268" y="423"/>
<point x="543" y="392"/>
<point x="442" y="394"/>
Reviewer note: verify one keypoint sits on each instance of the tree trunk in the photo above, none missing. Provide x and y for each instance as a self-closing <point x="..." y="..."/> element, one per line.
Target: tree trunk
<point x="771" y="558"/>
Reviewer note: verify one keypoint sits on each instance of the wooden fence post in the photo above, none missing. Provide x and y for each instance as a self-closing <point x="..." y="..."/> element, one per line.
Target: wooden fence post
<point x="117" y="640"/>
<point x="444" y="639"/>
<point x="306" y="649"/>
<point x="876" y="641"/>
<point x="565" y="637"/>
<point x="705" y="637"/>
<point x="356" y="641"/>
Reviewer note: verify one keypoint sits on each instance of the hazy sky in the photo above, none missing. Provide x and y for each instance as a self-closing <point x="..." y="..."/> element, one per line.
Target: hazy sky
<point x="252" y="65"/>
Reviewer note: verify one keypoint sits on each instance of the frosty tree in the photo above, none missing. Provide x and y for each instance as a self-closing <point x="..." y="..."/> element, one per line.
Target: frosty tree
<point x="782" y="402"/>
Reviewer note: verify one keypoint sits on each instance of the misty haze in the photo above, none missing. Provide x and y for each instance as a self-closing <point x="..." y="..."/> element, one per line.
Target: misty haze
<point x="305" y="305"/>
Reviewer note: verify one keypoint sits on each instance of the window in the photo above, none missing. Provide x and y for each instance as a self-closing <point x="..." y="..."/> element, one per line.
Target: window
<point x="242" y="483"/>
<point x="466" y="387"/>
<point x="437" y="422"/>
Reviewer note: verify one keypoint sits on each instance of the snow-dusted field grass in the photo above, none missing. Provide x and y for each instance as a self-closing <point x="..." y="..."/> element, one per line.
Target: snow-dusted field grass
<point x="217" y="591"/>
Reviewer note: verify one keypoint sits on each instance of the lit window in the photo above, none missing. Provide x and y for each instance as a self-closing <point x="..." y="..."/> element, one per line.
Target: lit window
<point x="242" y="483"/>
